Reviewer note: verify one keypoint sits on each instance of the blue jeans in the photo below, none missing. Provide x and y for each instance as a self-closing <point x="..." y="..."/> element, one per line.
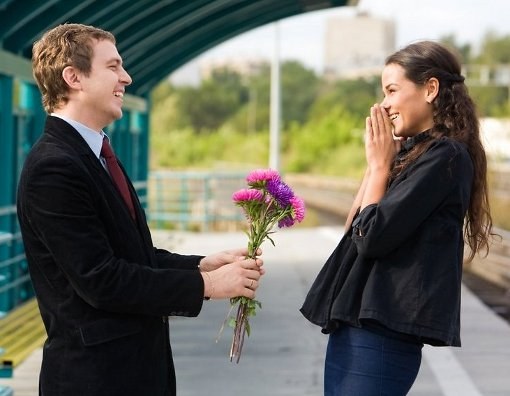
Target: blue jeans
<point x="361" y="362"/>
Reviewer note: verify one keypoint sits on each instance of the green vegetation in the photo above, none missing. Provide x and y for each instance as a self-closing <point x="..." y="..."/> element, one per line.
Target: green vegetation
<point x="224" y="122"/>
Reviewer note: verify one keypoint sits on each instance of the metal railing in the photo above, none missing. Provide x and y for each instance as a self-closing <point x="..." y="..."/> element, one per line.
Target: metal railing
<point x="193" y="201"/>
<point x="197" y="201"/>
<point x="15" y="284"/>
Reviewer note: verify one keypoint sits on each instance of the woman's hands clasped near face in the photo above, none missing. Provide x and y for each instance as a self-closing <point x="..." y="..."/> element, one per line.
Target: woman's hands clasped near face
<point x="380" y="150"/>
<point x="380" y="144"/>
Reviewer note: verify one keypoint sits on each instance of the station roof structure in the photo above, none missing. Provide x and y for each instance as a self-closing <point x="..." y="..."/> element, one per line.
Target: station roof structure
<point x="154" y="37"/>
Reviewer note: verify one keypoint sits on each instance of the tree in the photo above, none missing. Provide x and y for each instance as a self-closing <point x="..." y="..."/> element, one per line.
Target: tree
<point x="299" y="87"/>
<point x="491" y="101"/>
<point x="217" y="99"/>
<point x="354" y="96"/>
<point x="463" y="50"/>
<point x="494" y="50"/>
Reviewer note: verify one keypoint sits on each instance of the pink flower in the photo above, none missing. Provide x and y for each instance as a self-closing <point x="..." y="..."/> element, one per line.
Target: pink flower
<point x="262" y="175"/>
<point x="297" y="213"/>
<point x="268" y="201"/>
<point x="298" y="207"/>
<point x="247" y="194"/>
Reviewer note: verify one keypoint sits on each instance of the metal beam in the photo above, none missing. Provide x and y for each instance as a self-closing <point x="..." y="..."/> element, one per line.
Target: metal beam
<point x="15" y="66"/>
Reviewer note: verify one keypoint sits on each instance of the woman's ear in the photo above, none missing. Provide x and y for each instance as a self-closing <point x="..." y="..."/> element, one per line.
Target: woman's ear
<point x="71" y="77"/>
<point x="432" y="89"/>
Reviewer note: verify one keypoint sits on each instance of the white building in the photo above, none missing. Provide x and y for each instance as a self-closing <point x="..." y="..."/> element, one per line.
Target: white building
<point x="357" y="46"/>
<point x="496" y="138"/>
<point x="241" y="65"/>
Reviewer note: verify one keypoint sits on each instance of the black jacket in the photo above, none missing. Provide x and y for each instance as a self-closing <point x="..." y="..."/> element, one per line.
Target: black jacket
<point x="400" y="265"/>
<point x="103" y="290"/>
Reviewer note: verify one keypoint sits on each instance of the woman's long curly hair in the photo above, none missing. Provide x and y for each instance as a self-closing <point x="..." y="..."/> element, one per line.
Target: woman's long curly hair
<point x="455" y="116"/>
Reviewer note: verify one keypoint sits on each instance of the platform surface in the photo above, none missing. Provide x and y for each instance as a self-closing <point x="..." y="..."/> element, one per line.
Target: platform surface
<point x="285" y="354"/>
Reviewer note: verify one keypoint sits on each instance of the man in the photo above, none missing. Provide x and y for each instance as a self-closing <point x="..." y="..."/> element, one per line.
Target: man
<point x="104" y="291"/>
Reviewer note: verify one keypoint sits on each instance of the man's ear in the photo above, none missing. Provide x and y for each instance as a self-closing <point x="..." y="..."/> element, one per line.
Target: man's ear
<point x="71" y="77"/>
<point x="432" y="89"/>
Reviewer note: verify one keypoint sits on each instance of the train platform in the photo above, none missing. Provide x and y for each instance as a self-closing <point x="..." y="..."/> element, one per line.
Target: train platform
<point x="284" y="355"/>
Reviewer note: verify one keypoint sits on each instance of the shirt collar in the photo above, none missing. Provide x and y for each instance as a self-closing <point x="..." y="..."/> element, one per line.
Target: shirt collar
<point x="93" y="138"/>
<point x="412" y="141"/>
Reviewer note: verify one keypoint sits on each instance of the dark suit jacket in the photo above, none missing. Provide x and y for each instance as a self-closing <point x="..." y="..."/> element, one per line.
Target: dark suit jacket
<point x="104" y="291"/>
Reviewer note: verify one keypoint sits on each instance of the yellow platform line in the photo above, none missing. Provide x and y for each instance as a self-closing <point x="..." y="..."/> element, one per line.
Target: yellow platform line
<point x="21" y="332"/>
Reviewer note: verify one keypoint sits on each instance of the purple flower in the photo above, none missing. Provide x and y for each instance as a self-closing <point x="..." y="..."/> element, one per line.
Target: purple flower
<point x="267" y="202"/>
<point x="287" y="221"/>
<point x="280" y="191"/>
<point x="247" y="194"/>
<point x="297" y="213"/>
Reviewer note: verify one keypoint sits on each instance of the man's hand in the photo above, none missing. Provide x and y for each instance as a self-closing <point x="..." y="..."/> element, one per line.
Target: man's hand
<point x="216" y="260"/>
<point x="238" y="278"/>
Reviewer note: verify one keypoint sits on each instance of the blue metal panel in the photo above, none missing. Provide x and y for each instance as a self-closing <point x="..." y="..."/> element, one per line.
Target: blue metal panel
<point x="142" y="124"/>
<point x="140" y="128"/>
<point x="21" y="116"/>
<point x="6" y="190"/>
<point x="30" y="124"/>
<point x="30" y="101"/>
<point x="6" y="391"/>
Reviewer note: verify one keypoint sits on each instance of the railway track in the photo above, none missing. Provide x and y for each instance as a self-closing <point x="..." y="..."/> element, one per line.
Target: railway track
<point x="489" y="277"/>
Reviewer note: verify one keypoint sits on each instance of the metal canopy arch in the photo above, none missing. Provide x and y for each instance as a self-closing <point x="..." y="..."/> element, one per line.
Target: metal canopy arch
<point x="153" y="37"/>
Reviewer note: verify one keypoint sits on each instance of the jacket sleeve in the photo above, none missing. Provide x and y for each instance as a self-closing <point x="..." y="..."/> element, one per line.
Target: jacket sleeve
<point x="170" y="260"/>
<point x="70" y="224"/>
<point x="441" y="176"/>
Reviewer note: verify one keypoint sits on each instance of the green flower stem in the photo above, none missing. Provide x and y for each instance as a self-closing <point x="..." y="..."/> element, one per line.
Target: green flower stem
<point x="261" y="224"/>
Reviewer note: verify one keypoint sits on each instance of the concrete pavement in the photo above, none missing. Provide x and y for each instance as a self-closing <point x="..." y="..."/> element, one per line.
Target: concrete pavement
<point x="285" y="353"/>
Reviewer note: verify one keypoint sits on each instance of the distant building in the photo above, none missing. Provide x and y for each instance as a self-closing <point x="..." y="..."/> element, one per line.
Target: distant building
<point x="484" y="75"/>
<point x="187" y="75"/>
<point x="357" y="46"/>
<point x="496" y="138"/>
<point x="194" y="72"/>
<point x="243" y="66"/>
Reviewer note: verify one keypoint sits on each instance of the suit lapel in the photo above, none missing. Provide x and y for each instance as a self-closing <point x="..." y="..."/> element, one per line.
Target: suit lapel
<point x="66" y="134"/>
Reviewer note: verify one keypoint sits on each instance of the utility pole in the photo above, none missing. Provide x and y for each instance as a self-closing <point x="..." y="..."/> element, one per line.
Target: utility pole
<point x="275" y="104"/>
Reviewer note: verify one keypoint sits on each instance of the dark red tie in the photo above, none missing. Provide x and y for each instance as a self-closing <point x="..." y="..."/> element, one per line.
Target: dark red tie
<point x="117" y="176"/>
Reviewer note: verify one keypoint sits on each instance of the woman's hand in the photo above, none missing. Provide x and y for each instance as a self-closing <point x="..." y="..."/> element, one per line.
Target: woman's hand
<point x="380" y="144"/>
<point x="380" y="151"/>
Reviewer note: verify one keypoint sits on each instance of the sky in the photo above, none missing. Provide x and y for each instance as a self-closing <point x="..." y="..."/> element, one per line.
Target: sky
<point x="301" y="37"/>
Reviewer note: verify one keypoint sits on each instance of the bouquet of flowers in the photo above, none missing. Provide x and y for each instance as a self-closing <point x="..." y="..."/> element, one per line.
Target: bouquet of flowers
<point x="267" y="202"/>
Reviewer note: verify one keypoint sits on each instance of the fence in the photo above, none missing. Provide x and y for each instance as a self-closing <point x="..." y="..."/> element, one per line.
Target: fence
<point x="195" y="201"/>
<point x="198" y="201"/>
<point x="15" y="284"/>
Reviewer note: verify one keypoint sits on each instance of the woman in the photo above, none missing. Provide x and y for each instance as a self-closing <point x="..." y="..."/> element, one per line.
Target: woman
<point x="394" y="281"/>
